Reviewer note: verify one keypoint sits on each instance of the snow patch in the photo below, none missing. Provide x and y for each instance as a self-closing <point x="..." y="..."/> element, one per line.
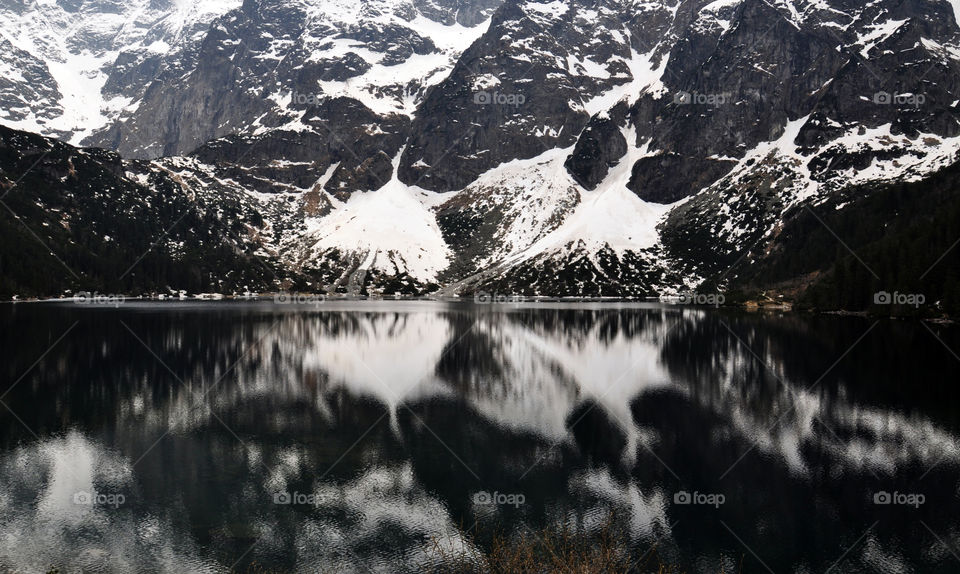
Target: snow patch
<point x="393" y="220"/>
<point x="645" y="76"/>
<point x="609" y="216"/>
<point x="387" y="89"/>
<point x="878" y="33"/>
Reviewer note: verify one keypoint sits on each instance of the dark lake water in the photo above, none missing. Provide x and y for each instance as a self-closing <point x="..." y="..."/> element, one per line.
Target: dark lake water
<point x="359" y="437"/>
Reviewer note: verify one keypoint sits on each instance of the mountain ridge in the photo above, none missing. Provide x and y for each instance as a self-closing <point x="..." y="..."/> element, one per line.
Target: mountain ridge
<point x="577" y="148"/>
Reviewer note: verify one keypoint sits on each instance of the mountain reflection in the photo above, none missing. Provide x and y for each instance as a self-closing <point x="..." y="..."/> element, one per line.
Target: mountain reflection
<point x="391" y="418"/>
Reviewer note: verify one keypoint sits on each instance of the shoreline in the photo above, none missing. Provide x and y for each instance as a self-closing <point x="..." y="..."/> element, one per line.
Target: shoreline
<point x="280" y="299"/>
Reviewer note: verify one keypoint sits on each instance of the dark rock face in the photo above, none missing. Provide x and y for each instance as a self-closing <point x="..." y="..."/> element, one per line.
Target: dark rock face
<point x="496" y="105"/>
<point x="668" y="177"/>
<point x="34" y="91"/>
<point x="768" y="70"/>
<point x="77" y="40"/>
<point x="599" y="147"/>
<point x="215" y="100"/>
<point x="722" y="102"/>
<point x="521" y="89"/>
<point x="252" y="60"/>
<point x="132" y="69"/>
<point x="906" y="83"/>
<point x="342" y="132"/>
<point x="370" y="173"/>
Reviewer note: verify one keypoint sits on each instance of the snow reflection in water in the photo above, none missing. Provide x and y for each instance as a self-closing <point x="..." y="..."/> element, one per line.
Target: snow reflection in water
<point x="391" y="418"/>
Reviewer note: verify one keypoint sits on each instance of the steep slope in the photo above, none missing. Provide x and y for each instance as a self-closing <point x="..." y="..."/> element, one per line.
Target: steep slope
<point x="530" y="84"/>
<point x="888" y="113"/>
<point x="616" y="147"/>
<point x="390" y="233"/>
<point x="156" y="236"/>
<point x="899" y="238"/>
<point x="70" y="68"/>
<point x="261" y="65"/>
<point x="576" y="242"/>
<point x="788" y="105"/>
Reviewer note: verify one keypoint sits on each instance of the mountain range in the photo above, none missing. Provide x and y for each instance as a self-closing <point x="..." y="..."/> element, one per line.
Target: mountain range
<point x="778" y="150"/>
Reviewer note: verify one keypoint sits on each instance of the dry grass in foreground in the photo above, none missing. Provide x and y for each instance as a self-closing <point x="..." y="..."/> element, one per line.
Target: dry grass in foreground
<point x="550" y="551"/>
<point x="555" y="551"/>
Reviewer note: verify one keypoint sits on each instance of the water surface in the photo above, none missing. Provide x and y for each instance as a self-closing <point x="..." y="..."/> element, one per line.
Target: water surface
<point x="357" y="437"/>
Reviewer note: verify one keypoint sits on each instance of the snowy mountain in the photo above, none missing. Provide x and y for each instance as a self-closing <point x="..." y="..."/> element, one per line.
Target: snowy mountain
<point x="570" y="147"/>
<point x="264" y="66"/>
<point x="70" y="68"/>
